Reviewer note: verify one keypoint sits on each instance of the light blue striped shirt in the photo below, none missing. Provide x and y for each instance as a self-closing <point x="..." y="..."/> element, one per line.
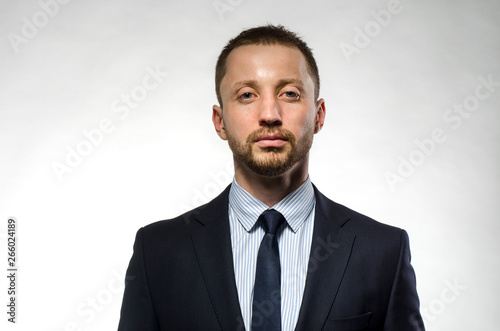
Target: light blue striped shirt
<point x="294" y="241"/>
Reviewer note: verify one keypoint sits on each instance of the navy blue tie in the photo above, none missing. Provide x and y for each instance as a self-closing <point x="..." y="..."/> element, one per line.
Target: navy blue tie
<point x="266" y="308"/>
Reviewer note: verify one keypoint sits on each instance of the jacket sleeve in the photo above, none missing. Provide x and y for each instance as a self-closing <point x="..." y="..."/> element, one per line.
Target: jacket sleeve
<point x="403" y="313"/>
<point x="137" y="312"/>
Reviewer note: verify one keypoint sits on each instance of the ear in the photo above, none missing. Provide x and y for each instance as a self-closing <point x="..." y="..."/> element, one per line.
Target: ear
<point x="218" y="121"/>
<point x="320" y="115"/>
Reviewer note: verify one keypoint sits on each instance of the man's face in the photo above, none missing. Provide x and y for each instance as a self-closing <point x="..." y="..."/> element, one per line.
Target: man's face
<point x="269" y="114"/>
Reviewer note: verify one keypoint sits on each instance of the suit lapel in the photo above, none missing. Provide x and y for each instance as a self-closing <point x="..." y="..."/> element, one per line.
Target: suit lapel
<point x="212" y="242"/>
<point x="330" y="252"/>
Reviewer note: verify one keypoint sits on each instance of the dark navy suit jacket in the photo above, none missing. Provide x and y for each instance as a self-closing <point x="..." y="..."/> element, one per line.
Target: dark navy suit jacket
<point x="181" y="275"/>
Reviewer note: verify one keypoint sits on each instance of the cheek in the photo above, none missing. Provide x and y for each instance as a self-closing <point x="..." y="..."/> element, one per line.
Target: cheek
<point x="302" y="124"/>
<point x="237" y="127"/>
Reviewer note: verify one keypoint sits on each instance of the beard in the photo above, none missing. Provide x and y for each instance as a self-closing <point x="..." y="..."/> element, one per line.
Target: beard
<point x="271" y="161"/>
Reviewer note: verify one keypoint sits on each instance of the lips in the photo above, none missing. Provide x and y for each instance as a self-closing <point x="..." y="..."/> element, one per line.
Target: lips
<point x="274" y="136"/>
<point x="271" y="140"/>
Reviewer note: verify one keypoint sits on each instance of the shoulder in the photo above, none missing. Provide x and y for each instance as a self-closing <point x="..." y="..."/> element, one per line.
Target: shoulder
<point x="179" y="227"/>
<point x="364" y="227"/>
<point x="375" y="245"/>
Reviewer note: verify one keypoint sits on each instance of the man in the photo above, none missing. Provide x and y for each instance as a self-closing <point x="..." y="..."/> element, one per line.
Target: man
<point x="270" y="252"/>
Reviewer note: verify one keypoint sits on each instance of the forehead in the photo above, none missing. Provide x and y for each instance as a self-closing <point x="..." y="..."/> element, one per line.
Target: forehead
<point x="265" y="63"/>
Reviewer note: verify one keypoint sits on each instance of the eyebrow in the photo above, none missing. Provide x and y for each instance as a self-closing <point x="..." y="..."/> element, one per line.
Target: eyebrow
<point x="251" y="83"/>
<point x="281" y="83"/>
<point x="284" y="82"/>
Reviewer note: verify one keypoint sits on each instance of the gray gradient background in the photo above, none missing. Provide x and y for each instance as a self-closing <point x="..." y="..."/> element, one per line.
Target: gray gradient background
<point x="76" y="234"/>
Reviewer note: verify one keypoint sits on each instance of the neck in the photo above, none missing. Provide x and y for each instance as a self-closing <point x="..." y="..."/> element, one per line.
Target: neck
<point x="271" y="190"/>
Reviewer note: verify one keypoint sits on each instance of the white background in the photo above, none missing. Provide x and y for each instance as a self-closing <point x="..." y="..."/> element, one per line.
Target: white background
<point x="63" y="73"/>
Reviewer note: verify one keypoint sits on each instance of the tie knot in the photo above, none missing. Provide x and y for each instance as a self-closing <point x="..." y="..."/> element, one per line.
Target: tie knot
<point x="271" y="220"/>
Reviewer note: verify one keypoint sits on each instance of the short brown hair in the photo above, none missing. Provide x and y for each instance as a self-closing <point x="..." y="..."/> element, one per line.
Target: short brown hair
<point x="266" y="35"/>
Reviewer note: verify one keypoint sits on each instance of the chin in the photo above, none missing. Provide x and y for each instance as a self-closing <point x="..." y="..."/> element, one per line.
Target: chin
<point x="271" y="166"/>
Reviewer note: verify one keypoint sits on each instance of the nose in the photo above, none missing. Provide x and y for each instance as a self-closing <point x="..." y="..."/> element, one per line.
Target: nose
<point x="270" y="112"/>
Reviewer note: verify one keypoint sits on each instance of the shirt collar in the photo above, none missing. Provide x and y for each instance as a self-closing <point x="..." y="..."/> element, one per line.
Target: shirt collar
<point x="295" y="207"/>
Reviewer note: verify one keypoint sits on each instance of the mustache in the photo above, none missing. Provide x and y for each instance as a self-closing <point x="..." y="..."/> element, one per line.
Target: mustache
<point x="267" y="130"/>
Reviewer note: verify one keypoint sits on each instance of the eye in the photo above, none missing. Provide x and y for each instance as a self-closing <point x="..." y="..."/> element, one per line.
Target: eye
<point x="246" y="95"/>
<point x="291" y="95"/>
